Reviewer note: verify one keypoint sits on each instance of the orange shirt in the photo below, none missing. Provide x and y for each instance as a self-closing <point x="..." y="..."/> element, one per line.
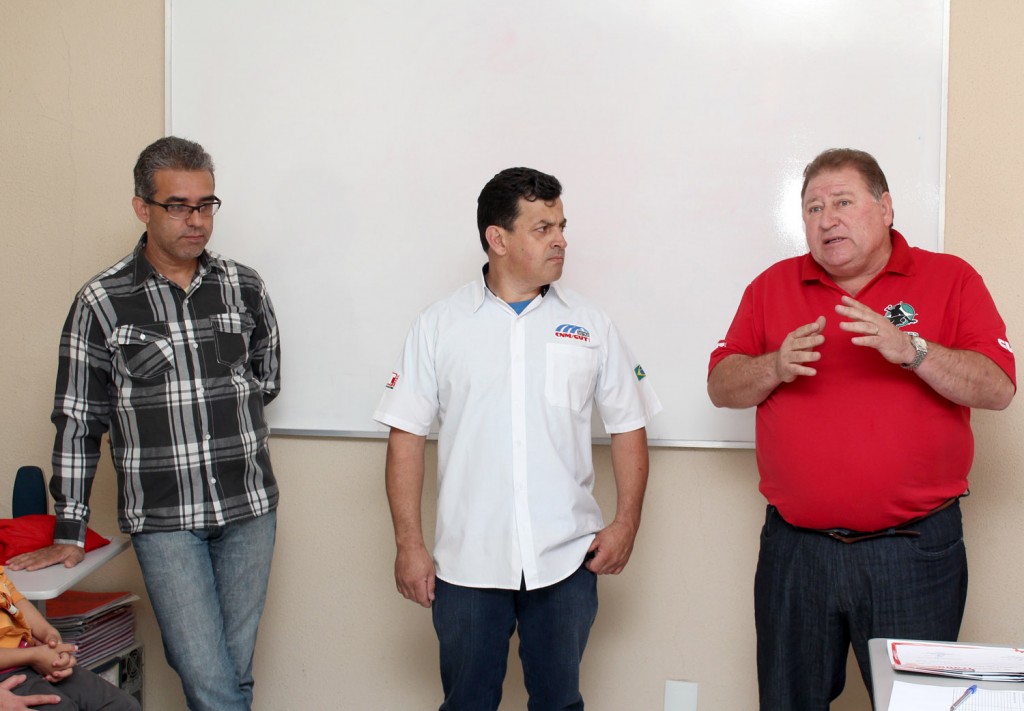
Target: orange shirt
<point x="13" y="629"/>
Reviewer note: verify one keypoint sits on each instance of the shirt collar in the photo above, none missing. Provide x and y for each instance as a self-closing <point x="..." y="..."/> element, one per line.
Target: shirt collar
<point x="144" y="270"/>
<point x="481" y="290"/>
<point x="901" y="261"/>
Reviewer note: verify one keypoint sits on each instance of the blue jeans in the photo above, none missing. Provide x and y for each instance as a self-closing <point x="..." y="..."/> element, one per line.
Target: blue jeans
<point x="474" y="626"/>
<point x="815" y="596"/>
<point x="207" y="588"/>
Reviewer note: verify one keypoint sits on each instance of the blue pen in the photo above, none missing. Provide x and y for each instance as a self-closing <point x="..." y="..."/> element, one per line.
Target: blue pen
<point x="963" y="697"/>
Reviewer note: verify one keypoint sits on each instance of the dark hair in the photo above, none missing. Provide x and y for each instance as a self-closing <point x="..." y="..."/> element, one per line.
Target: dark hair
<point x="169" y="153"/>
<point x="839" y="158"/>
<point x="498" y="203"/>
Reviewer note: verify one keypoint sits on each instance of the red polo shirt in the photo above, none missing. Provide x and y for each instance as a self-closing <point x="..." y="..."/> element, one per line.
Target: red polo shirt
<point x="865" y="444"/>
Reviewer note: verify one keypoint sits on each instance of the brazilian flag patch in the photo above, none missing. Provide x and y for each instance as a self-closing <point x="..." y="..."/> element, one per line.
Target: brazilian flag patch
<point x="640" y="374"/>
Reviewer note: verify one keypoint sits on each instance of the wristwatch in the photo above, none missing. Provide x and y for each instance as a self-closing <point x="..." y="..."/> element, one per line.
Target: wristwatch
<point x="921" y="346"/>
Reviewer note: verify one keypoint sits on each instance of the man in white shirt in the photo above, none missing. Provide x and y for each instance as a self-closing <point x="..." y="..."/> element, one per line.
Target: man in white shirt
<point x="511" y="366"/>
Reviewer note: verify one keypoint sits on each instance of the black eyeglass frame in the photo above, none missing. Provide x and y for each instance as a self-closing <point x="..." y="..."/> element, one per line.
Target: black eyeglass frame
<point x="191" y="208"/>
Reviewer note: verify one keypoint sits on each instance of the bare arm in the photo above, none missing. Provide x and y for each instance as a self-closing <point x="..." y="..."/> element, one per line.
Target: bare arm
<point x="403" y="477"/>
<point x="49" y="656"/>
<point x="745" y="381"/>
<point x="965" y="377"/>
<point x="51" y="663"/>
<point x="42" y="630"/>
<point x="613" y="544"/>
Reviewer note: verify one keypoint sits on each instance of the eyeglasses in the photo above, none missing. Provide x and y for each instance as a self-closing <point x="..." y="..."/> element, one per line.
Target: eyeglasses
<point x="180" y="211"/>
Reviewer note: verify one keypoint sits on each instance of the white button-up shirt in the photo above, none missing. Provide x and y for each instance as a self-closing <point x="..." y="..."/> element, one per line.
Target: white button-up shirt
<point x="513" y="396"/>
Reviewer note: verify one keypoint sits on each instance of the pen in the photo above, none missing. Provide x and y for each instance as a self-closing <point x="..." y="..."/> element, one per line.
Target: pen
<point x="963" y="697"/>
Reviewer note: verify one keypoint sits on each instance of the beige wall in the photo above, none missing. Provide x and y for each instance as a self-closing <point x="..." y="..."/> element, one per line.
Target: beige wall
<point x="81" y="92"/>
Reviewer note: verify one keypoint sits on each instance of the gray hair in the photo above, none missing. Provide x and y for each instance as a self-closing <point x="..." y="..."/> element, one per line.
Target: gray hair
<point x="169" y="153"/>
<point x="839" y="158"/>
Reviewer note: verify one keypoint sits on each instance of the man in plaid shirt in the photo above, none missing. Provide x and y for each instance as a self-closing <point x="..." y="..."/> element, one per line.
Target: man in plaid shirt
<point x="174" y="352"/>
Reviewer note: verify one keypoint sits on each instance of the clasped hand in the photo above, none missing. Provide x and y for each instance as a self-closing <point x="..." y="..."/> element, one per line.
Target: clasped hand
<point x="54" y="660"/>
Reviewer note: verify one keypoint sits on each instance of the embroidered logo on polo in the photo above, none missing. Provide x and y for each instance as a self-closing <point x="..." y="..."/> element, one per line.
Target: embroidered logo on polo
<point x="568" y="330"/>
<point x="1004" y="344"/>
<point x="390" y="385"/>
<point x="901" y="314"/>
<point x="640" y="374"/>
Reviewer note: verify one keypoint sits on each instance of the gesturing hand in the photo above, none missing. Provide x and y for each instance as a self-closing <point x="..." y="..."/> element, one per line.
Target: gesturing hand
<point x="873" y="330"/>
<point x="798" y="349"/>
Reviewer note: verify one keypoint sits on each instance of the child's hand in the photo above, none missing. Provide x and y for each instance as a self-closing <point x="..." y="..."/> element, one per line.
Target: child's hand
<point x="54" y="663"/>
<point x="52" y="638"/>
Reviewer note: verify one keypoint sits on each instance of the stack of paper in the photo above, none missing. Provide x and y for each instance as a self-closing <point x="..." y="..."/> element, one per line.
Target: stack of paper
<point x="963" y="661"/>
<point x="914" y="697"/>
<point x="100" y="623"/>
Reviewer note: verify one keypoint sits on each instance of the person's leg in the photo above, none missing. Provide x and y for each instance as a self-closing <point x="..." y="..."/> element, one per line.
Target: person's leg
<point x="802" y="640"/>
<point x="35" y="684"/>
<point x="910" y="587"/>
<point x="554" y="625"/>
<point x="241" y="554"/>
<point x="473" y="627"/>
<point x="91" y="693"/>
<point x="180" y="580"/>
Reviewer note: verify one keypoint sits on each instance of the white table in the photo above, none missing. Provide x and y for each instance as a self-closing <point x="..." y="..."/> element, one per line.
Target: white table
<point x="883" y="676"/>
<point x="47" y="583"/>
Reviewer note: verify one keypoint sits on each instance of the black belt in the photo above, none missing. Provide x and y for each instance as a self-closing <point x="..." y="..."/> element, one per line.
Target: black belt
<point x="845" y="535"/>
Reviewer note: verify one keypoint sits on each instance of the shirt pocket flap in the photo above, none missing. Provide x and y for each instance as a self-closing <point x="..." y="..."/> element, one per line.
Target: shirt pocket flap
<point x="143" y="351"/>
<point x="231" y="333"/>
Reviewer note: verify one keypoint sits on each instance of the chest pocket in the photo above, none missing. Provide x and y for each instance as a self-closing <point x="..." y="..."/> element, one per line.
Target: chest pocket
<point x="569" y="375"/>
<point x="143" y="351"/>
<point x="231" y="333"/>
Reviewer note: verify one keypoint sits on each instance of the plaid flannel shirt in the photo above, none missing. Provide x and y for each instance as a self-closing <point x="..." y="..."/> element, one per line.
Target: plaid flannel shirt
<point x="179" y="379"/>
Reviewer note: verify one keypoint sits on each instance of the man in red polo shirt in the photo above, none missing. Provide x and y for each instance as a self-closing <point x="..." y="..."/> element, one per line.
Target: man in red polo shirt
<point x="863" y="358"/>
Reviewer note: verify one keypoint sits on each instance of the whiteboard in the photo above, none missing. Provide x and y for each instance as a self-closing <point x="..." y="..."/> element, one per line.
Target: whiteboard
<point x="352" y="138"/>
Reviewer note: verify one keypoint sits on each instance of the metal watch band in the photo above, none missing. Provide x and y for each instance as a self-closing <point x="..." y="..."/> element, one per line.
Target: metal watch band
<point x="921" y="348"/>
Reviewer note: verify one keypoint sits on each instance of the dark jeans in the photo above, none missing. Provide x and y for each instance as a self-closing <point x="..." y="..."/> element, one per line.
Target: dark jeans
<point x="474" y="626"/>
<point x="81" y="690"/>
<point x="815" y="596"/>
